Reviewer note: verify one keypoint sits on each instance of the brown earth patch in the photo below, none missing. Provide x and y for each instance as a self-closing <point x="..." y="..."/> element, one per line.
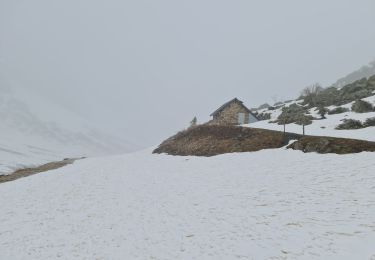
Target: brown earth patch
<point x="31" y="171"/>
<point x="210" y="140"/>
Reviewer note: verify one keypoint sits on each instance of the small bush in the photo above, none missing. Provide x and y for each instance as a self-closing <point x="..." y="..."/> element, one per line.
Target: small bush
<point x="350" y="124"/>
<point x="361" y="106"/>
<point x="338" y="110"/>
<point x="370" y="122"/>
<point x="291" y="114"/>
<point x="263" y="116"/>
<point x="328" y="97"/>
<point x="322" y="111"/>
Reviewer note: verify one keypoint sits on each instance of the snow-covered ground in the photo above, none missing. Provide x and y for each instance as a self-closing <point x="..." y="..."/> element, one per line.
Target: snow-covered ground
<point x="34" y="131"/>
<point x="272" y="204"/>
<point x="324" y="127"/>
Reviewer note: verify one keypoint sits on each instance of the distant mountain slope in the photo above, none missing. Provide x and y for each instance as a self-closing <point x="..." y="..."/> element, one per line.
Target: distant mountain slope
<point x="336" y="104"/>
<point x="34" y="130"/>
<point x="318" y="126"/>
<point x="364" y="72"/>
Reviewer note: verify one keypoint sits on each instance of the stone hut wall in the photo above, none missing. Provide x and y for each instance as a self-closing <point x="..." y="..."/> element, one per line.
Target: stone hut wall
<point x="229" y="115"/>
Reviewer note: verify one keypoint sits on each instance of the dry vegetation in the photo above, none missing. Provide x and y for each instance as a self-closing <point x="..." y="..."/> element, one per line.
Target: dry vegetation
<point x="31" y="171"/>
<point x="210" y="140"/>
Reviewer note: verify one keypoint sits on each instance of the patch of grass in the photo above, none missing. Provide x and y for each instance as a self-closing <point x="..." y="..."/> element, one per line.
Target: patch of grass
<point x="31" y="171"/>
<point x="209" y="140"/>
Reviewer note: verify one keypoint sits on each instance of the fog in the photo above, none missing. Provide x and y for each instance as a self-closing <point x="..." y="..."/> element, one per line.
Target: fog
<point x="144" y="69"/>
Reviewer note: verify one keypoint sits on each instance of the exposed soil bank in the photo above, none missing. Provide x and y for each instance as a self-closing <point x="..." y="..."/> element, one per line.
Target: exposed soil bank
<point x="322" y="144"/>
<point x="210" y="140"/>
<point x="31" y="171"/>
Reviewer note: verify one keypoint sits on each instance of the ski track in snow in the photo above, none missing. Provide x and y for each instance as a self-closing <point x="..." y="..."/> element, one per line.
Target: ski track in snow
<point x="273" y="204"/>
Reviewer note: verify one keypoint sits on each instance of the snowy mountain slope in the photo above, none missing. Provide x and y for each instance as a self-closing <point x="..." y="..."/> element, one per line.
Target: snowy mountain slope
<point x="324" y="127"/>
<point x="35" y="131"/>
<point x="287" y="205"/>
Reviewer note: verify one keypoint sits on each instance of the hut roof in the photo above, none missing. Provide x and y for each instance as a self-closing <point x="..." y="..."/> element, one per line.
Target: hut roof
<point x="234" y="100"/>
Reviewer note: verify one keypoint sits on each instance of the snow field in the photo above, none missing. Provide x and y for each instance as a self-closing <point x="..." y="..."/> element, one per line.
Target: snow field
<point x="272" y="204"/>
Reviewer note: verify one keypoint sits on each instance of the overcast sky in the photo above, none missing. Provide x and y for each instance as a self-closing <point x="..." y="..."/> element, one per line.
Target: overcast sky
<point x="146" y="68"/>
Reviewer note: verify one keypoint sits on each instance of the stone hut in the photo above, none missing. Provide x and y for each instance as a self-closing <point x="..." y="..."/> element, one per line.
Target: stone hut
<point x="233" y="112"/>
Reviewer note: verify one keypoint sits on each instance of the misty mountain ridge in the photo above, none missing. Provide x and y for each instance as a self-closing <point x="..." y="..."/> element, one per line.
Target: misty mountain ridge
<point x="35" y="130"/>
<point x="364" y="72"/>
<point x="341" y="110"/>
<point x="354" y="82"/>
